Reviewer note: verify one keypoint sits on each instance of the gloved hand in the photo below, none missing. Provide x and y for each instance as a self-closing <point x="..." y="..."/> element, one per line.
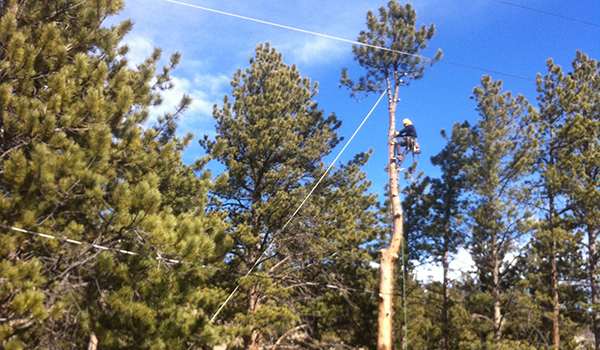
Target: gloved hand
<point x="396" y="133"/>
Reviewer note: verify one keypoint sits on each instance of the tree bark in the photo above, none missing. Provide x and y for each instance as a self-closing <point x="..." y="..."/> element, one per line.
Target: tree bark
<point x="252" y="341"/>
<point x="496" y="296"/>
<point x="594" y="286"/>
<point x="553" y="266"/>
<point x="287" y="334"/>
<point x="93" y="344"/>
<point x="386" y="269"/>
<point x="389" y="254"/>
<point x="555" y="302"/>
<point x="445" y="307"/>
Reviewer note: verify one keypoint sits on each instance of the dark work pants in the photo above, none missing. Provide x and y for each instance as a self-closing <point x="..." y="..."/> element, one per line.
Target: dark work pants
<point x="403" y="142"/>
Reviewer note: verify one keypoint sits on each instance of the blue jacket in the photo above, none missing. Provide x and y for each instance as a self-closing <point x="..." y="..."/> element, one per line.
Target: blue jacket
<point x="409" y="131"/>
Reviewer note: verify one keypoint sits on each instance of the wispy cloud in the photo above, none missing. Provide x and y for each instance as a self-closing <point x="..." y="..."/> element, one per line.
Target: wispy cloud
<point x="214" y="85"/>
<point x="204" y="88"/>
<point x="318" y="51"/>
<point x="205" y="91"/>
<point x="202" y="102"/>
<point x="140" y="48"/>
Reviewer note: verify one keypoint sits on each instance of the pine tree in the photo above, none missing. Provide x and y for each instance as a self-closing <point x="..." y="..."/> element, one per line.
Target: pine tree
<point x="498" y="214"/>
<point x="77" y="163"/>
<point x="417" y="329"/>
<point x="473" y="328"/>
<point x="401" y="42"/>
<point x="443" y="233"/>
<point x="581" y="159"/>
<point x="272" y="139"/>
<point x="554" y="247"/>
<point x="343" y="245"/>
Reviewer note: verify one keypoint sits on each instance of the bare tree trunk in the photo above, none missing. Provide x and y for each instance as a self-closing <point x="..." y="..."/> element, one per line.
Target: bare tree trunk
<point x="386" y="269"/>
<point x="287" y="334"/>
<point x="446" y="267"/>
<point x="93" y="344"/>
<point x="389" y="254"/>
<point x="555" y="302"/>
<point x="553" y="266"/>
<point x="252" y="341"/>
<point x="496" y="296"/>
<point x="595" y="288"/>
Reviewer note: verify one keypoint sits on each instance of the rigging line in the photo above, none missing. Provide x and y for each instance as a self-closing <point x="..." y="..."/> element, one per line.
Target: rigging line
<point x="347" y="40"/>
<point x="301" y="204"/>
<point x="487" y="70"/>
<point x="329" y="286"/>
<point x="122" y="251"/>
<point x="72" y="241"/>
<point x="295" y="29"/>
<point x="547" y="13"/>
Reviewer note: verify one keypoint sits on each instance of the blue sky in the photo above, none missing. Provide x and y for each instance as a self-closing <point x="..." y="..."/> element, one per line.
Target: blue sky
<point x="478" y="33"/>
<point x="486" y="34"/>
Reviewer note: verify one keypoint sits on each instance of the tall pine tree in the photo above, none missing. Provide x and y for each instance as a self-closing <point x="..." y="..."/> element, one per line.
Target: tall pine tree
<point x="581" y="103"/>
<point x="444" y="232"/>
<point x="272" y="139"/>
<point x="553" y="256"/>
<point x="498" y="215"/>
<point x="401" y="43"/>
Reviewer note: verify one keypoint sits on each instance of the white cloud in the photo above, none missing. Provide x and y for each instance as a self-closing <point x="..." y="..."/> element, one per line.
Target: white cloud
<point x="461" y="263"/>
<point x="205" y="91"/>
<point x="319" y="50"/>
<point x="139" y="49"/>
<point x="201" y="101"/>
<point x="214" y="85"/>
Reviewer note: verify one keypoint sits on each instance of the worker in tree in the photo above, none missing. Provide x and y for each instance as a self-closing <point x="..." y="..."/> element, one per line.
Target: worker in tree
<point x="409" y="139"/>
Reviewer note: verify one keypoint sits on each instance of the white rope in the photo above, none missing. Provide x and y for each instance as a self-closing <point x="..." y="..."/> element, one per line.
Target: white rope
<point x="295" y="29"/>
<point x="301" y="204"/>
<point x="72" y="241"/>
<point x="346" y="40"/>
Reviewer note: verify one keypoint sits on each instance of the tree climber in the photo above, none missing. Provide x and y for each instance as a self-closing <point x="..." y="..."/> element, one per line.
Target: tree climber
<point x="409" y="140"/>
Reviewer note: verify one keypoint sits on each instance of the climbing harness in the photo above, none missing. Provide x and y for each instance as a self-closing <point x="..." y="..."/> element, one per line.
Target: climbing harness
<point x="411" y="146"/>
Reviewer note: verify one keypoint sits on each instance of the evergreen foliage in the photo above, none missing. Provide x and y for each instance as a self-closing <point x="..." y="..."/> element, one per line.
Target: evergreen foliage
<point x="553" y="260"/>
<point x="396" y="31"/>
<point x="442" y="233"/>
<point x="272" y="140"/>
<point x="582" y="105"/>
<point x="498" y="216"/>
<point x="77" y="163"/>
<point x="82" y="158"/>
<point x="570" y="105"/>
